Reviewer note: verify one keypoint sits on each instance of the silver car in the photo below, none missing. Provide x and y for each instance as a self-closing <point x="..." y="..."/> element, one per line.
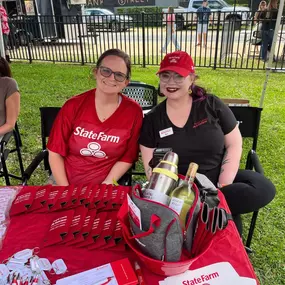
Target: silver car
<point x="103" y="19"/>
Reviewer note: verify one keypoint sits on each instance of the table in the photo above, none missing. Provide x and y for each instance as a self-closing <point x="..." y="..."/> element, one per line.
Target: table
<point x="28" y="231"/>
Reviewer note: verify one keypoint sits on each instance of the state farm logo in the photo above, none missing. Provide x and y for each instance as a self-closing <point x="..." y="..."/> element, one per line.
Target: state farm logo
<point x="93" y="149"/>
<point x="174" y="59"/>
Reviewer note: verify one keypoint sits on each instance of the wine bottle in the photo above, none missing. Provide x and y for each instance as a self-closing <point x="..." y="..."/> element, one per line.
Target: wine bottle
<point x="183" y="196"/>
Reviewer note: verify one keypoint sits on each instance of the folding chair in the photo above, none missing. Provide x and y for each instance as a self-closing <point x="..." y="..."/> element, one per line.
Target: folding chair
<point x="48" y="115"/>
<point x="144" y="94"/>
<point x="249" y="121"/>
<point x="5" y="151"/>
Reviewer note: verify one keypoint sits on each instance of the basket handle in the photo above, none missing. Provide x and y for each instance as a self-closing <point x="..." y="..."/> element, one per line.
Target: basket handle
<point x="154" y="221"/>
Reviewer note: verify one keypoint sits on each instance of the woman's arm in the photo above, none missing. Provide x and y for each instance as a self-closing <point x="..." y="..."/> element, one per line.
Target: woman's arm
<point x="230" y="163"/>
<point x="12" y="105"/>
<point x="117" y="171"/>
<point x="56" y="162"/>
<point x="147" y="154"/>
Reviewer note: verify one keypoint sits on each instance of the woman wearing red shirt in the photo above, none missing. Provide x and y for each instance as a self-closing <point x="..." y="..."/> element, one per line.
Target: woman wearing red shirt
<point x="95" y="135"/>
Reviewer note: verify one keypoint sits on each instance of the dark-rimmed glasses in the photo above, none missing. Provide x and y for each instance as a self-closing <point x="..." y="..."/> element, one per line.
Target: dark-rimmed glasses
<point x="107" y="72"/>
<point x="166" y="76"/>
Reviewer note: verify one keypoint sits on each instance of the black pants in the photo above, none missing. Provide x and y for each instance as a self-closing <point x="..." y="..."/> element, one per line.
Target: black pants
<point x="249" y="192"/>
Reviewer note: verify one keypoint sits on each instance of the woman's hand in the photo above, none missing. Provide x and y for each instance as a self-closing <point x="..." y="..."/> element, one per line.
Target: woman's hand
<point x="147" y="154"/>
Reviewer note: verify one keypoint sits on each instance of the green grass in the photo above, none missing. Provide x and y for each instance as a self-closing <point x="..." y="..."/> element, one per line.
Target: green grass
<point x="51" y="84"/>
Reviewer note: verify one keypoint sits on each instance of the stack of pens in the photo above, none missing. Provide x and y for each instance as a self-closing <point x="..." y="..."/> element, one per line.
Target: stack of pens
<point x="16" y="279"/>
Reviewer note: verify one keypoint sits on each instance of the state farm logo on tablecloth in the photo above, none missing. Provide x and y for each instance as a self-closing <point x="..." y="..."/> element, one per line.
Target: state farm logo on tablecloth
<point x="93" y="149"/>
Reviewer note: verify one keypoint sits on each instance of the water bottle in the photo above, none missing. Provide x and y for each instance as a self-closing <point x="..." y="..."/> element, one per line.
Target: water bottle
<point x="163" y="179"/>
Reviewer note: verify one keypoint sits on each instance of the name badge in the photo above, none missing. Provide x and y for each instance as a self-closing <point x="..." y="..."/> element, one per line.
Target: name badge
<point x="166" y="132"/>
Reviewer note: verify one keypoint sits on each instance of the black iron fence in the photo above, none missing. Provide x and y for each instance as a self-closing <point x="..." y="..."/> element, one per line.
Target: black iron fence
<point x="233" y="40"/>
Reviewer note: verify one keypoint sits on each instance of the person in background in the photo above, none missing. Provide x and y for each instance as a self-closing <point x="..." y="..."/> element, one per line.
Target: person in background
<point x="170" y="30"/>
<point x="200" y="128"/>
<point x="9" y="99"/>
<point x="95" y="135"/>
<point x="258" y="18"/>
<point x="5" y="30"/>
<point x="203" y="17"/>
<point x="269" y="17"/>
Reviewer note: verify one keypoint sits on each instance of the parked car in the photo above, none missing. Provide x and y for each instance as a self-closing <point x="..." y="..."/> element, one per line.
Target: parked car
<point x="97" y="18"/>
<point x="185" y="17"/>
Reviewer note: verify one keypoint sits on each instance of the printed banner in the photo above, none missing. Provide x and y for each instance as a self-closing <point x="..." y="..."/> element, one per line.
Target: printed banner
<point x="119" y="3"/>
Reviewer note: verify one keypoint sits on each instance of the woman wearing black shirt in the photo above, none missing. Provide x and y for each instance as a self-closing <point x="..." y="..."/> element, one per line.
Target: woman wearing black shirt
<point x="200" y="128"/>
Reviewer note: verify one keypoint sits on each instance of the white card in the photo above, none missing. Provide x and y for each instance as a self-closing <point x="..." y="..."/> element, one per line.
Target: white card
<point x="215" y="274"/>
<point x="134" y="212"/>
<point x="166" y="132"/>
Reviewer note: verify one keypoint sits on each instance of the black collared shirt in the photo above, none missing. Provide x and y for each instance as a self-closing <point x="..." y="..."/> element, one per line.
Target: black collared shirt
<point x="201" y="140"/>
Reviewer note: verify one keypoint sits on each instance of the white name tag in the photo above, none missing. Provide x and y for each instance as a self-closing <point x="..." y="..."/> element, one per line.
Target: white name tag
<point x="166" y="132"/>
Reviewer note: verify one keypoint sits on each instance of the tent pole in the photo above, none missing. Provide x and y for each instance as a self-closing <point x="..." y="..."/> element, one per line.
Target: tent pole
<point x="271" y="54"/>
<point x="2" y="50"/>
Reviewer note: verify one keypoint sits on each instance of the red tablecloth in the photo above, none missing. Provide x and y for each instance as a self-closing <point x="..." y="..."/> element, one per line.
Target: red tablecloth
<point x="28" y="231"/>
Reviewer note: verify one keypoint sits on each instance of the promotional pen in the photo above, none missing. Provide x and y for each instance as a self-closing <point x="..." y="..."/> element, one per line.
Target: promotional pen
<point x="35" y="281"/>
<point x="14" y="280"/>
<point x="103" y="282"/>
<point x="139" y="274"/>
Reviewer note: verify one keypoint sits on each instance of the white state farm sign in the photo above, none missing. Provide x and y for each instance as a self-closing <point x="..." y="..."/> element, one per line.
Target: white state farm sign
<point x="216" y="274"/>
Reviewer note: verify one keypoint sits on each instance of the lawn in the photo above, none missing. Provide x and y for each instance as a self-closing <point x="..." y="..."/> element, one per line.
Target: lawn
<point x="52" y="84"/>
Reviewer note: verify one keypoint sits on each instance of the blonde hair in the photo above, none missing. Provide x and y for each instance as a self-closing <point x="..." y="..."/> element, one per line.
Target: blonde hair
<point x="261" y="4"/>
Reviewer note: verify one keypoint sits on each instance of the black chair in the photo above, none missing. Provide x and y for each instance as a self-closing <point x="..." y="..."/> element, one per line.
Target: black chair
<point x="249" y="121"/>
<point x="48" y="115"/>
<point x="144" y="94"/>
<point x="6" y="150"/>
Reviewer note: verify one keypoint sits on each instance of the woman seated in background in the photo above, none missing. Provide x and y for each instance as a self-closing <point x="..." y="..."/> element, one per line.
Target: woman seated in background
<point x="200" y="128"/>
<point x="9" y="99"/>
<point x="95" y="135"/>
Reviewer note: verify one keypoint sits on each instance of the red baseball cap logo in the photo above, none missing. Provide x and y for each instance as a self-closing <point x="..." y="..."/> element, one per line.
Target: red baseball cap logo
<point x="179" y="62"/>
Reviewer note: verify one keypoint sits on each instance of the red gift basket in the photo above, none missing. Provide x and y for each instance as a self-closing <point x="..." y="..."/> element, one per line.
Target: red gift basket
<point x="156" y="266"/>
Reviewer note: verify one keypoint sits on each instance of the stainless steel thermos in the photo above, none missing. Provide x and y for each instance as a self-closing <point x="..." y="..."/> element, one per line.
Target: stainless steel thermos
<point x="163" y="179"/>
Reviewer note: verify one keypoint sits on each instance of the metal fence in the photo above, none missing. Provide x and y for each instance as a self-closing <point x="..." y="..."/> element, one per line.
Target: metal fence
<point x="232" y="42"/>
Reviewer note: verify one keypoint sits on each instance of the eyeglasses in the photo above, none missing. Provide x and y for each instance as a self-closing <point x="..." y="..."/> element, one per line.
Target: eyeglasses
<point x="107" y="72"/>
<point x="166" y="76"/>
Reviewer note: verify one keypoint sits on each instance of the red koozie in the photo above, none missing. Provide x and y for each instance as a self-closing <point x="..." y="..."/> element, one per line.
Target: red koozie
<point x="96" y="229"/>
<point x="24" y="200"/>
<point x="86" y="228"/>
<point x="64" y="198"/>
<point x="77" y="223"/>
<point x="107" y="232"/>
<point x="59" y="228"/>
<point x="40" y="201"/>
<point x="54" y="194"/>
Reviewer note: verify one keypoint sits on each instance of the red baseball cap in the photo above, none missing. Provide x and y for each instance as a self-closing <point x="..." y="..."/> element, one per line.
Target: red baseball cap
<point x="179" y="62"/>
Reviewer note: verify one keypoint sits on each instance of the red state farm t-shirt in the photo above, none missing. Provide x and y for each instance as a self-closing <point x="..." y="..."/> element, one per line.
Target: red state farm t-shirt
<point x="90" y="147"/>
